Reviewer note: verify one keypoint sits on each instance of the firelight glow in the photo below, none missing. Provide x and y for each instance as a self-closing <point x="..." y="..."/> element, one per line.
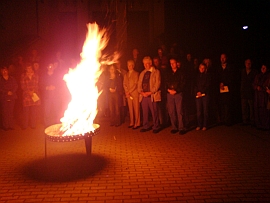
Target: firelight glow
<point x="81" y="82"/>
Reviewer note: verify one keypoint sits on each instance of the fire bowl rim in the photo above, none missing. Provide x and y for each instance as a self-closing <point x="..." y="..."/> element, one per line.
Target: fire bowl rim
<point x="70" y="138"/>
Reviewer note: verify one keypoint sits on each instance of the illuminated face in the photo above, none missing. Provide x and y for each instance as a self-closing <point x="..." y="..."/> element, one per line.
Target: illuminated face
<point x="189" y="57"/>
<point x="29" y="71"/>
<point x="196" y="61"/>
<point x="135" y="52"/>
<point x="178" y="63"/>
<point x="147" y="64"/>
<point x="4" y="72"/>
<point x="156" y="62"/>
<point x="202" y="68"/>
<point x="36" y="66"/>
<point x="50" y="66"/>
<point x="223" y="58"/>
<point x="112" y="69"/>
<point x="130" y="65"/>
<point x="263" y="69"/>
<point x="173" y="64"/>
<point x="248" y="64"/>
<point x="160" y="52"/>
<point x="206" y="62"/>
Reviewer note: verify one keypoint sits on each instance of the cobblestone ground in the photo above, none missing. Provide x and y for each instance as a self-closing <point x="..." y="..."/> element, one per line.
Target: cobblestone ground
<point x="222" y="164"/>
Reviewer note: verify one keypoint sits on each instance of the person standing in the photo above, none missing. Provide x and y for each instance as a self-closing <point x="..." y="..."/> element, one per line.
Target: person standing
<point x="114" y="87"/>
<point x="31" y="97"/>
<point x="131" y="92"/>
<point x="162" y="105"/>
<point x="225" y="91"/>
<point x="202" y="87"/>
<point x="175" y="87"/>
<point x="50" y="84"/>
<point x="8" y="88"/>
<point x="247" y="93"/>
<point x="149" y="90"/>
<point x="261" y="99"/>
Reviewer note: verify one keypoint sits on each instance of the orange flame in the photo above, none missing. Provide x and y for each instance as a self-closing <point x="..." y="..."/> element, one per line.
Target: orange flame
<point x="81" y="82"/>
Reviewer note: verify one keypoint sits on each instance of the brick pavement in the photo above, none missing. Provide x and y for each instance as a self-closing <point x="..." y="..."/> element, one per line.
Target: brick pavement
<point x="222" y="164"/>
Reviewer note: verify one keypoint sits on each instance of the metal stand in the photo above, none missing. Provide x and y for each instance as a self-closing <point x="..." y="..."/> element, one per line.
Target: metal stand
<point x="45" y="148"/>
<point x="88" y="145"/>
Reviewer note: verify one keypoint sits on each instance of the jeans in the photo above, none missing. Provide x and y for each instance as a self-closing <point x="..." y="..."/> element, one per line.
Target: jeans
<point x="202" y="106"/>
<point x="29" y="114"/>
<point x="146" y="105"/>
<point x="175" y="109"/>
<point x="247" y="110"/>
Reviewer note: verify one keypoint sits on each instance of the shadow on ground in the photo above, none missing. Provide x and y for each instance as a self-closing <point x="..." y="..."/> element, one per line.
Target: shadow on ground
<point x="63" y="168"/>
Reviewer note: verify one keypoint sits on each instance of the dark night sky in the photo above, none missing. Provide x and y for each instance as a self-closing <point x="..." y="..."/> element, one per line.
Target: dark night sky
<point x="209" y="27"/>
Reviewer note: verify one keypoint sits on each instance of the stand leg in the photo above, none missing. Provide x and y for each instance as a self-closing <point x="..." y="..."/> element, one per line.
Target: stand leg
<point x="45" y="148"/>
<point x="88" y="145"/>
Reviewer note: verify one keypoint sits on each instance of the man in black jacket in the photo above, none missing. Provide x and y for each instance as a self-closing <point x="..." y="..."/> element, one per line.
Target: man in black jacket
<point x="175" y="86"/>
<point x="225" y="75"/>
<point x="247" y="93"/>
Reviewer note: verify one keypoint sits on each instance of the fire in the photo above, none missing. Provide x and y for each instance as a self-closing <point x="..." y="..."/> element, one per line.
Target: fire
<point x="81" y="82"/>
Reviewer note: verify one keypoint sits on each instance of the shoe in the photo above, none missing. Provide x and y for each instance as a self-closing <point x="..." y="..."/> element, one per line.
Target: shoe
<point x="145" y="130"/>
<point x="135" y="128"/>
<point x="182" y="132"/>
<point x="174" y="131"/>
<point x="156" y="131"/>
<point x="198" y="128"/>
<point x="130" y="126"/>
<point x="204" y="128"/>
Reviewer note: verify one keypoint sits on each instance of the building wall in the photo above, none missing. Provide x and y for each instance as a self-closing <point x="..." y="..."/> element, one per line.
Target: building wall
<point x="17" y="19"/>
<point x="61" y="24"/>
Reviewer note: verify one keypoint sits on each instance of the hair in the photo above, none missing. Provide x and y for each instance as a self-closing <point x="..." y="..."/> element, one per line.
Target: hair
<point x="248" y="59"/>
<point x="173" y="58"/>
<point x="3" y="67"/>
<point x="155" y="57"/>
<point x="224" y="54"/>
<point x="265" y="64"/>
<point x="147" y="58"/>
<point x="131" y="61"/>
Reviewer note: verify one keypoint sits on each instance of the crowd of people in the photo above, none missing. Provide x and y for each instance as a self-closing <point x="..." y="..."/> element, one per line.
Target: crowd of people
<point x="155" y="92"/>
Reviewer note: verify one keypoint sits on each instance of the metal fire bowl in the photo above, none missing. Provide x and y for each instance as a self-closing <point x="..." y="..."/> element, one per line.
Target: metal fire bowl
<point x="52" y="134"/>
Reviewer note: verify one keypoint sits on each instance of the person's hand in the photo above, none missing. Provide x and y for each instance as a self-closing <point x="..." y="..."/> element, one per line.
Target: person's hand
<point x="112" y="90"/>
<point x="199" y="94"/>
<point x="221" y="86"/>
<point x="171" y="92"/>
<point x="145" y="94"/>
<point x="9" y="93"/>
<point x="31" y="93"/>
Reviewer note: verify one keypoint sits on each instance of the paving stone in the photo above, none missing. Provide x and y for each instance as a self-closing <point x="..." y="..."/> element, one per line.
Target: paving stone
<point x="222" y="164"/>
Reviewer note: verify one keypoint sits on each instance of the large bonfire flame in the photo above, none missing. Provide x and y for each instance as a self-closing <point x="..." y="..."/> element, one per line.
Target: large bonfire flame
<point x="81" y="82"/>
